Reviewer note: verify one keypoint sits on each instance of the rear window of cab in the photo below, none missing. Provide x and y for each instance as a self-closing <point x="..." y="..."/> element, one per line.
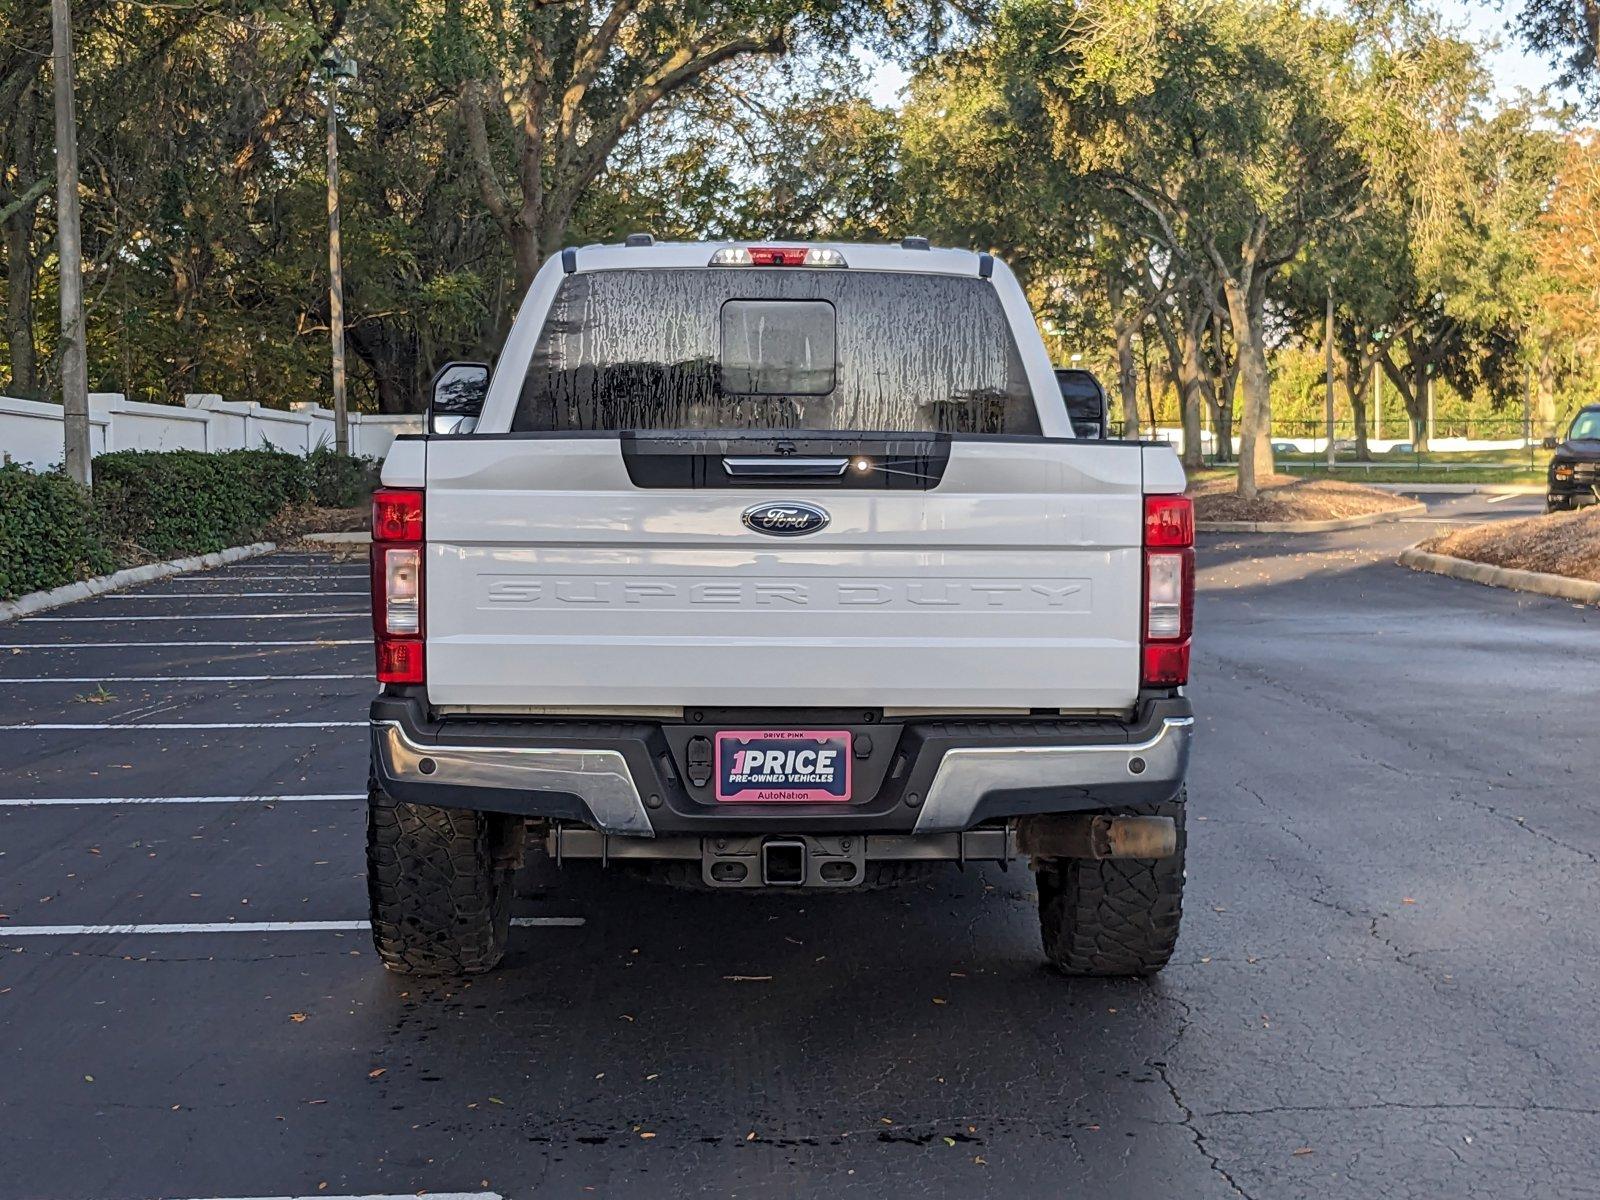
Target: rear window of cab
<point x="776" y="348"/>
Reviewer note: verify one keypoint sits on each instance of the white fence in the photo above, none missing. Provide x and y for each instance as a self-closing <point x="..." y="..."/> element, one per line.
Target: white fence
<point x="30" y="431"/>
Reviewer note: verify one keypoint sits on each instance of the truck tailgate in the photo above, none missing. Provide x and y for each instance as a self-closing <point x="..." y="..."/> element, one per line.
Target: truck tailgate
<point x="553" y="581"/>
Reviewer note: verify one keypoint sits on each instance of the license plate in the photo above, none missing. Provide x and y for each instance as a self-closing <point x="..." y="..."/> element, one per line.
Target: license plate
<point x="783" y="766"/>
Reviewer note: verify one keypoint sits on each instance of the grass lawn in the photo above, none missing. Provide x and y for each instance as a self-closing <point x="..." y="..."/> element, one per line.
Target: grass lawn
<point x="1475" y="471"/>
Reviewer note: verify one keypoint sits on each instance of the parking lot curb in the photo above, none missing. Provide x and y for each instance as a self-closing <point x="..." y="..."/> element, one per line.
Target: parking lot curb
<point x="34" y="602"/>
<point x="1328" y="526"/>
<point x="1562" y="587"/>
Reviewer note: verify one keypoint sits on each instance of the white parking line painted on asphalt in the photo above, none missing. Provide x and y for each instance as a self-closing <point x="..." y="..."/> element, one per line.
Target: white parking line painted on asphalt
<point x="117" y="801"/>
<point x="59" y="727"/>
<point x="405" y="1196"/>
<point x="4" y="682"/>
<point x="239" y="927"/>
<point x="235" y="643"/>
<point x="1507" y="496"/>
<point x="231" y="595"/>
<point x="283" y="571"/>
<point x="200" y="617"/>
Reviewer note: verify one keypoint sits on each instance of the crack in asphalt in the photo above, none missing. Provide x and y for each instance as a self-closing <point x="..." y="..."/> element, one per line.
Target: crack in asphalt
<point x="1406" y="1105"/>
<point x="1523" y="823"/>
<point x="1187" y="1117"/>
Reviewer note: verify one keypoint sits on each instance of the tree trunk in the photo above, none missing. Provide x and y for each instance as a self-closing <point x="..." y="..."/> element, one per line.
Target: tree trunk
<point x="22" y="274"/>
<point x="1417" y="405"/>
<point x="1245" y="302"/>
<point x="1183" y="350"/>
<point x="525" y="251"/>
<point x="1357" y="381"/>
<point x="1546" y="407"/>
<point x="391" y="354"/>
<point x="1358" y="411"/>
<point x="22" y="264"/>
<point x="1222" y="423"/>
<point x="1127" y="369"/>
<point x="1219" y="391"/>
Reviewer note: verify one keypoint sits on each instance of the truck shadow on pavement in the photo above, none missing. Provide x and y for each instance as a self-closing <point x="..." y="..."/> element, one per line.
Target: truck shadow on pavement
<point x="920" y="1016"/>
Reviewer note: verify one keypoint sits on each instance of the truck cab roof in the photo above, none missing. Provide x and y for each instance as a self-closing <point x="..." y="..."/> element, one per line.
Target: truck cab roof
<point x="917" y="257"/>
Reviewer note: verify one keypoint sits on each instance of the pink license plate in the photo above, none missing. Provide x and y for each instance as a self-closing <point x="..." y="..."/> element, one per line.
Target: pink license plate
<point x="783" y="766"/>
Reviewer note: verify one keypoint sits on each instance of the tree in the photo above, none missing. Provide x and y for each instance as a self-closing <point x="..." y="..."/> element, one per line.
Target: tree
<point x="548" y="89"/>
<point x="1564" y="292"/>
<point x="981" y="165"/>
<point x="1224" y="123"/>
<point x="1567" y="32"/>
<point x="26" y="178"/>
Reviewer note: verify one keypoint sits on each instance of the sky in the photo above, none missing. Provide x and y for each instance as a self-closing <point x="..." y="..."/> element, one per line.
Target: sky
<point x="1512" y="67"/>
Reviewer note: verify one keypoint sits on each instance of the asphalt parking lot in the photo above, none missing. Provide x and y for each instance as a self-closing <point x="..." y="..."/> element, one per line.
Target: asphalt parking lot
<point x="1388" y="983"/>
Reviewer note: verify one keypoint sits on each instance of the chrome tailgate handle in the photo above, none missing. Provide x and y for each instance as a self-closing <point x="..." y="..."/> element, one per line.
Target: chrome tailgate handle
<point x="786" y="468"/>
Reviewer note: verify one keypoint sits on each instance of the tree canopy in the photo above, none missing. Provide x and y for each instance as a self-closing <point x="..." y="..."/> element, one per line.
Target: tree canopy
<point x="1180" y="186"/>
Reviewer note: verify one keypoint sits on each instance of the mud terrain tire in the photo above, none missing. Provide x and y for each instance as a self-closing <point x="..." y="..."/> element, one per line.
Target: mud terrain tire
<point x="440" y="895"/>
<point x="1117" y="917"/>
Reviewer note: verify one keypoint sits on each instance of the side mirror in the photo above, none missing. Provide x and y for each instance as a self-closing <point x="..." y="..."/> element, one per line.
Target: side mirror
<point x="1085" y="400"/>
<point x="1551" y="443"/>
<point x="455" y="399"/>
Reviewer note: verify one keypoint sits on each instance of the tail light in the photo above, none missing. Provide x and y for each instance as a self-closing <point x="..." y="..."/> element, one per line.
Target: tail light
<point x="1168" y="589"/>
<point x="397" y="565"/>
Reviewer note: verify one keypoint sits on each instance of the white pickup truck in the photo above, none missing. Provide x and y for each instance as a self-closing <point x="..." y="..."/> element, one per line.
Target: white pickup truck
<point x="776" y="566"/>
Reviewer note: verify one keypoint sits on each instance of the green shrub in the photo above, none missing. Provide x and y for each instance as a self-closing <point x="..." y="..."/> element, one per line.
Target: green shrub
<point x="47" y="535"/>
<point x="150" y="504"/>
<point x="160" y="504"/>
<point x="340" y="480"/>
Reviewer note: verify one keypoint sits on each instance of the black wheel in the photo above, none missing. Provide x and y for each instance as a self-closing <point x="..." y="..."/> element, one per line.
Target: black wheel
<point x="1116" y="917"/>
<point x="1552" y="505"/>
<point x="439" y="886"/>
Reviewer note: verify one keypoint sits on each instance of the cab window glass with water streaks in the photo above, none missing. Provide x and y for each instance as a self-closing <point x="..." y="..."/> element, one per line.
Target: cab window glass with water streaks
<point x="776" y="348"/>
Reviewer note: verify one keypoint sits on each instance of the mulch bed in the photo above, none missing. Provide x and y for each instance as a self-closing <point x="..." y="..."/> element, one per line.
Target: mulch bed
<point x="1287" y="498"/>
<point x="1565" y="543"/>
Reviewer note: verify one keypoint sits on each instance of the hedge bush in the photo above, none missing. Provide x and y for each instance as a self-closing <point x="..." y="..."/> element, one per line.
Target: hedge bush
<point x="47" y="532"/>
<point x="158" y="504"/>
<point x="340" y="480"/>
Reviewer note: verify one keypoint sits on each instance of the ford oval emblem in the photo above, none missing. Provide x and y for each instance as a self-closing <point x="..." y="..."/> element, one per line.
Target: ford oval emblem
<point x="786" y="519"/>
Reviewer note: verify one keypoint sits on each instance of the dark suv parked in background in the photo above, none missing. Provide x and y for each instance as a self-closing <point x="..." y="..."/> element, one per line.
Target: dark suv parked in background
<point x="1575" y="469"/>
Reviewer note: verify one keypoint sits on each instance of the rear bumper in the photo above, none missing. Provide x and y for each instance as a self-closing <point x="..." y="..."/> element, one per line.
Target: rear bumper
<point x="916" y="776"/>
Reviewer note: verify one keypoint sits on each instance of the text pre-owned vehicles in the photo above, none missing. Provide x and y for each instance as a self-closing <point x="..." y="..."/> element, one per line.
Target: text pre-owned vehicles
<point x="777" y="566"/>
<point x="1575" y="468"/>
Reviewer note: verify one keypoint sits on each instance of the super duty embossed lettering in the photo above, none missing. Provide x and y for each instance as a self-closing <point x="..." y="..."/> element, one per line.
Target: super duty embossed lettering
<point x="1065" y="595"/>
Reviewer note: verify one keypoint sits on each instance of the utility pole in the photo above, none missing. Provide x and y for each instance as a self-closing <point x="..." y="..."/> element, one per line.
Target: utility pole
<point x="338" y="67"/>
<point x="1327" y="354"/>
<point x="74" y="365"/>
